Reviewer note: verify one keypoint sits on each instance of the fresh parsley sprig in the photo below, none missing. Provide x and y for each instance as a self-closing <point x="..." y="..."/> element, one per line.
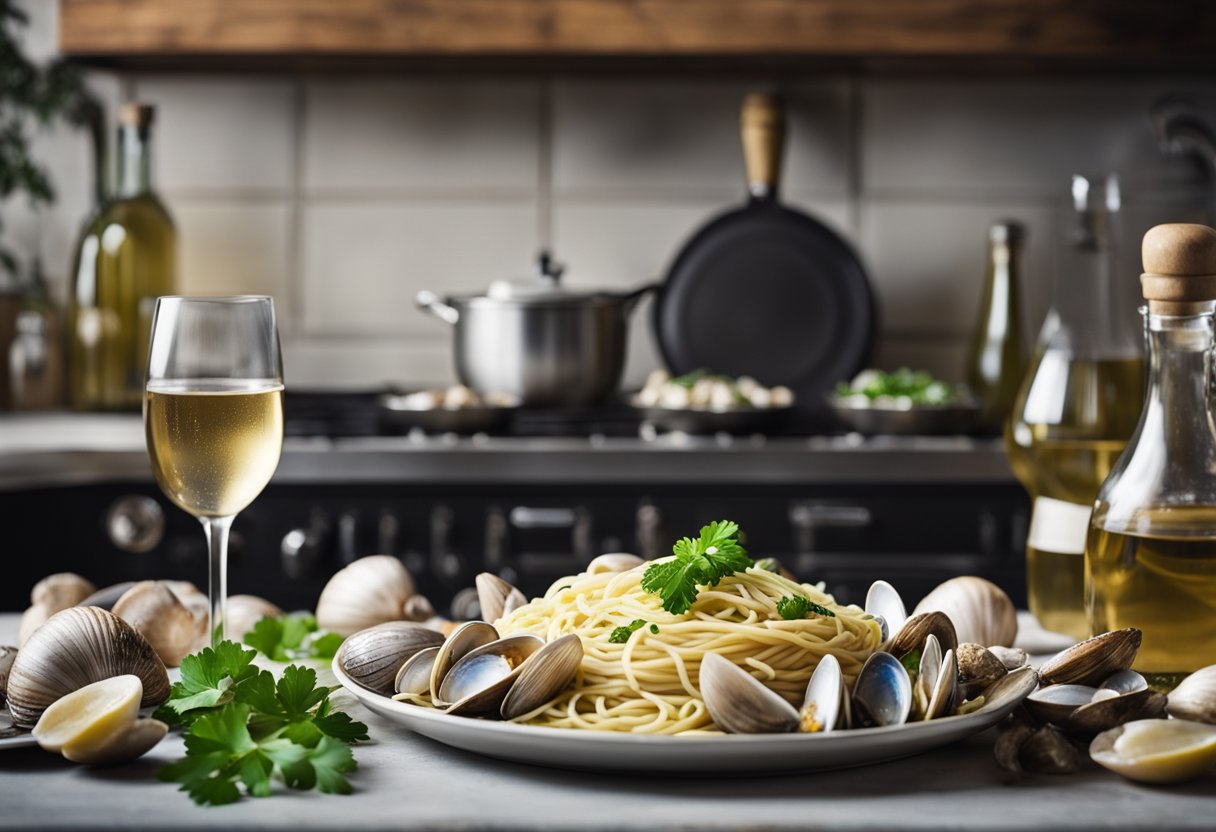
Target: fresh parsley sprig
<point x="715" y="555"/>
<point x="242" y="726"/>
<point x="794" y="607"/>
<point x="293" y="636"/>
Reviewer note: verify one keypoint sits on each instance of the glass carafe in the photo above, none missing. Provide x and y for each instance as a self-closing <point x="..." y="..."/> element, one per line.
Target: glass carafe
<point x="1151" y="551"/>
<point x="1076" y="409"/>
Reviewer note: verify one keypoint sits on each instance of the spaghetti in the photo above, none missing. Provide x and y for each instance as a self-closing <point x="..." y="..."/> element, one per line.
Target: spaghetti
<point x="648" y="682"/>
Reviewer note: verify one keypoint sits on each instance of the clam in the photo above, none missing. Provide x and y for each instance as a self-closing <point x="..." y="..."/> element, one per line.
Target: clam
<point x="157" y="613"/>
<point x="980" y="610"/>
<point x="1120" y="682"/>
<point x="613" y="562"/>
<point x="1015" y="686"/>
<point x="544" y="675"/>
<point x="50" y="595"/>
<point x="106" y="596"/>
<point x="77" y="647"/>
<point x="1009" y="742"/>
<point x="936" y="687"/>
<point x="826" y="704"/>
<point x="1057" y="702"/>
<point x="478" y="683"/>
<point x="739" y="704"/>
<point x="918" y="628"/>
<point x="496" y="597"/>
<point x="1049" y="752"/>
<point x="1157" y="750"/>
<point x="464" y="639"/>
<point x="243" y="611"/>
<point x="887" y="608"/>
<point x="370" y="591"/>
<point x="1105" y="713"/>
<point x="414" y="677"/>
<point x="977" y="669"/>
<point x="1195" y="697"/>
<point x="1093" y="660"/>
<point x="418" y="608"/>
<point x="372" y="657"/>
<point x="7" y="655"/>
<point x="1011" y="657"/>
<point x="882" y="693"/>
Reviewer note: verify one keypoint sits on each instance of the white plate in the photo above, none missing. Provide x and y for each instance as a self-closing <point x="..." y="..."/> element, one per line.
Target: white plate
<point x="752" y="753"/>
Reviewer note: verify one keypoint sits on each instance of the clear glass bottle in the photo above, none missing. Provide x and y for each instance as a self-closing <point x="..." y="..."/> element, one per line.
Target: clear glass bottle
<point x="1150" y="557"/>
<point x="1076" y="409"/>
<point x="126" y="259"/>
<point x="996" y="360"/>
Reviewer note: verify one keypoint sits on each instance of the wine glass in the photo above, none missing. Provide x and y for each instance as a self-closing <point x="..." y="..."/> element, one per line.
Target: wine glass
<point x="213" y="415"/>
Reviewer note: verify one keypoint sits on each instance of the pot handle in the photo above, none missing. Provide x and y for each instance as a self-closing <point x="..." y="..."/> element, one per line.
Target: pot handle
<point x="632" y="298"/>
<point x="430" y="302"/>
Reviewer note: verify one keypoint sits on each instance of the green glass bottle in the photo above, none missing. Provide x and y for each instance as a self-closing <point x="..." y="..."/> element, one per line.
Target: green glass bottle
<point x="127" y="258"/>
<point x="997" y="360"/>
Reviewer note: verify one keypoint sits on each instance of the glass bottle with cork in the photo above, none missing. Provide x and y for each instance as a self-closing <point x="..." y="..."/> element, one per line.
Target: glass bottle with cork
<point x="1076" y="409"/>
<point x="126" y="259"/>
<point x="1150" y="556"/>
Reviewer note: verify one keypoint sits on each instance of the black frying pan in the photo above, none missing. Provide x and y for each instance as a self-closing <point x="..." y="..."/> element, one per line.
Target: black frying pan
<point x="764" y="290"/>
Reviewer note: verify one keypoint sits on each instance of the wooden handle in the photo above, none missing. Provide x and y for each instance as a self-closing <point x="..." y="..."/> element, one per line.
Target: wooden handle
<point x="763" y="127"/>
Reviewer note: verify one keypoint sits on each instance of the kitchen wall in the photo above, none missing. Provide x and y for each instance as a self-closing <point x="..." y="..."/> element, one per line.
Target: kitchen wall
<point x="343" y="196"/>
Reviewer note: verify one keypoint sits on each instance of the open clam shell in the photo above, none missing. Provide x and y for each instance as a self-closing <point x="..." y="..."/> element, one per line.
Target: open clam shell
<point x="1056" y="703"/>
<point x="918" y="628"/>
<point x="373" y="657"/>
<point x="414" y="677"/>
<point x="465" y="638"/>
<point x="1157" y="750"/>
<point x="1195" y="696"/>
<point x="479" y="682"/>
<point x="1093" y="660"/>
<point x="883" y="602"/>
<point x="497" y="597"/>
<point x="544" y="675"/>
<point x="882" y="694"/>
<point x="739" y="703"/>
<point x="1104" y="714"/>
<point x="826" y="704"/>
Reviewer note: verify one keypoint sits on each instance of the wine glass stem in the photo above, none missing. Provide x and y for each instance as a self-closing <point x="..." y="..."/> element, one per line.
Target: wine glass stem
<point x="216" y="530"/>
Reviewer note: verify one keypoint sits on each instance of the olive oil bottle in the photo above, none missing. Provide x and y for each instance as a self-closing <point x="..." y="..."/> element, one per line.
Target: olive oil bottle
<point x="127" y="257"/>
<point x="996" y="360"/>
<point x="1150" y="555"/>
<point x="1077" y="407"/>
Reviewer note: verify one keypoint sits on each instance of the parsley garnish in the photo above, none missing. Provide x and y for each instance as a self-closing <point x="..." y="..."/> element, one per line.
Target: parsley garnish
<point x="702" y="562"/>
<point x="621" y="634"/>
<point x="654" y="628"/>
<point x="794" y="607"/>
<point x="911" y="662"/>
<point x="243" y="726"/>
<point x="285" y="638"/>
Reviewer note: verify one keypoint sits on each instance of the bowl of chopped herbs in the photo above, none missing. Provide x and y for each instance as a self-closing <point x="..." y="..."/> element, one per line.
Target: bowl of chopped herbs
<point x="904" y="402"/>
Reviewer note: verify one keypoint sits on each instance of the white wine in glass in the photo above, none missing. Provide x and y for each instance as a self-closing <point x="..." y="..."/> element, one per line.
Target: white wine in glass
<point x="213" y="415"/>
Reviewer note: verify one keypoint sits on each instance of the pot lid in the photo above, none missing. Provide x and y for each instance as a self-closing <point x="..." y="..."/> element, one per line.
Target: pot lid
<point x="544" y="286"/>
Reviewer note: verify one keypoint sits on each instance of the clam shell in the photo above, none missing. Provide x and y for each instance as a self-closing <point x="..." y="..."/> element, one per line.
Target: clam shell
<point x="944" y="692"/>
<point x="1157" y="750"/>
<point x="545" y="674"/>
<point x="977" y="669"/>
<point x="1104" y="714"/>
<point x="613" y="562"/>
<point x="369" y="591"/>
<point x="418" y="608"/>
<point x="479" y="682"/>
<point x="912" y="635"/>
<point x="60" y="591"/>
<point x="157" y="613"/>
<point x="464" y="639"/>
<point x="980" y="610"/>
<point x="826" y="701"/>
<point x="414" y="677"/>
<point x="106" y="596"/>
<point x="7" y="656"/>
<point x="372" y="657"/>
<point x="883" y="602"/>
<point x="739" y="704"/>
<point x="1195" y="697"/>
<point x="496" y="597"/>
<point x="243" y="611"/>
<point x="1091" y="661"/>
<point x="77" y="647"/>
<point x="1048" y="751"/>
<point x="1011" y="657"/>
<point x="1057" y="702"/>
<point x="882" y="693"/>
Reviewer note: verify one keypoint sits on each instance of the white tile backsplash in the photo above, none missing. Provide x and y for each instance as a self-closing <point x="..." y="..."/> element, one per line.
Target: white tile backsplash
<point x="367" y="363"/>
<point x="221" y="135"/>
<point x="365" y="260"/>
<point x="655" y="137"/>
<point x="234" y="248"/>
<point x="378" y="135"/>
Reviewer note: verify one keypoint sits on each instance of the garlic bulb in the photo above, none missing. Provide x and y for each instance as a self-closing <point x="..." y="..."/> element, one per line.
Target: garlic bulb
<point x="980" y="610"/>
<point x="50" y="595"/>
<point x="243" y="611"/>
<point x="369" y="591"/>
<point x="77" y="647"/>
<point x="157" y="613"/>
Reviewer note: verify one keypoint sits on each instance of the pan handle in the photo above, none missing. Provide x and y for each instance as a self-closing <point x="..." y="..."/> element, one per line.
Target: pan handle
<point x="633" y="297"/>
<point x="763" y="128"/>
<point x="430" y="302"/>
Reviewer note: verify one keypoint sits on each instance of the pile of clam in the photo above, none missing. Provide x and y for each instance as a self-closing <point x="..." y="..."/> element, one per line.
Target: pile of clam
<point x="473" y="671"/>
<point x="1090" y="700"/>
<point x="928" y="666"/>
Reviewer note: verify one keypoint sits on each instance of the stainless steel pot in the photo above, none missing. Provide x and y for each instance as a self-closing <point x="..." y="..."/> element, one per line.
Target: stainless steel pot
<point x="540" y="342"/>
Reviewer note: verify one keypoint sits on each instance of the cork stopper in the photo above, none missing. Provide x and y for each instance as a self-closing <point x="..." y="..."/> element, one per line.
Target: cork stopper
<point x="1179" y="269"/>
<point x="134" y="114"/>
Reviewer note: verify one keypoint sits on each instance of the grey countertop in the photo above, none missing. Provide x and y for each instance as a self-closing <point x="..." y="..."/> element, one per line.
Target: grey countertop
<point x="73" y="449"/>
<point x="409" y="783"/>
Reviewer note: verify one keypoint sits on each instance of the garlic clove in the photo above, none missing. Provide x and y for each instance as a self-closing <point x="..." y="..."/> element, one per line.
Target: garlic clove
<point x="132" y="741"/>
<point x="87" y="717"/>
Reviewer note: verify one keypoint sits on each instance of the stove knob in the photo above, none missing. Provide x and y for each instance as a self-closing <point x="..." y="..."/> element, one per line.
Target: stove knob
<point x="135" y="523"/>
<point x="302" y="549"/>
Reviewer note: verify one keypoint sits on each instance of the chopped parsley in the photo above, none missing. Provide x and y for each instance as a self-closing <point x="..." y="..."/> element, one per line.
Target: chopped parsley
<point x="654" y="628"/>
<point x="794" y="607"/>
<point x="621" y="634"/>
<point x="715" y="555"/>
<point x="286" y="638"/>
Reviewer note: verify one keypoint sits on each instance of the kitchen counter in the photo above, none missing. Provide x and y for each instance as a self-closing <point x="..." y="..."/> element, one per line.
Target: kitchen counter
<point x="38" y="450"/>
<point x="406" y="783"/>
